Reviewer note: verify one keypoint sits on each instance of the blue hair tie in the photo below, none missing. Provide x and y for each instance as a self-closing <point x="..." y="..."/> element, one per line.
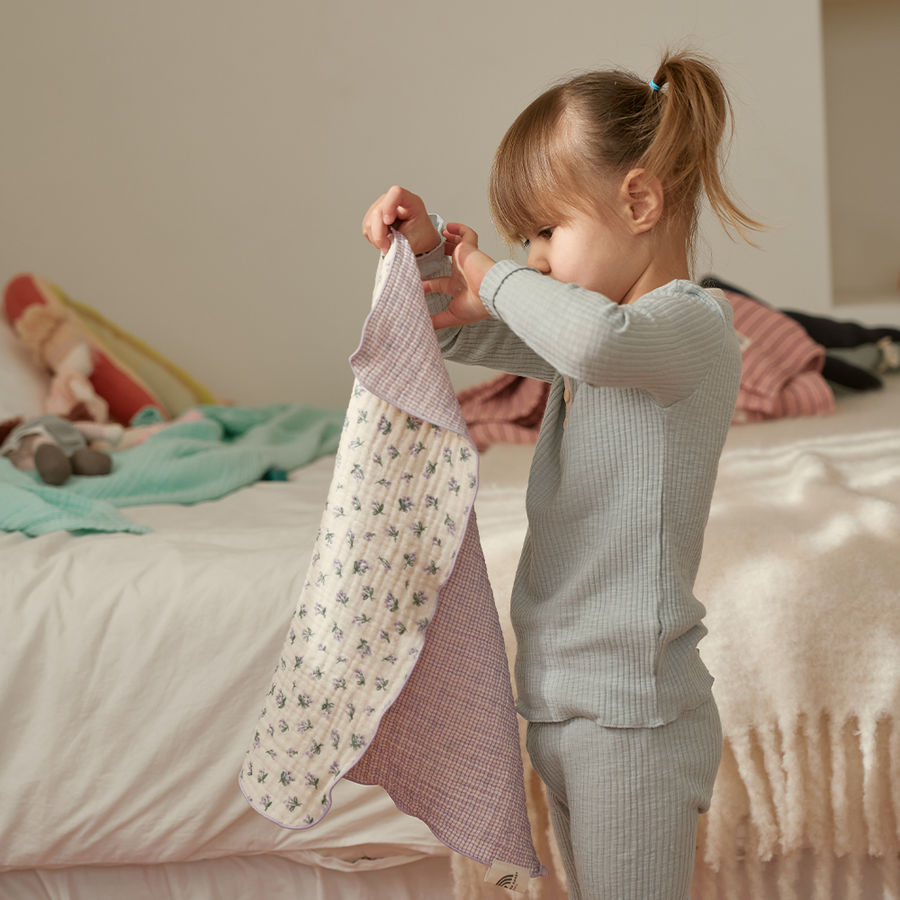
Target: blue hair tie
<point x="654" y="85"/>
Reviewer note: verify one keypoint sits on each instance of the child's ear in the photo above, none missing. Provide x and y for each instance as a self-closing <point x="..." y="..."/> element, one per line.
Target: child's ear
<point x="641" y="197"/>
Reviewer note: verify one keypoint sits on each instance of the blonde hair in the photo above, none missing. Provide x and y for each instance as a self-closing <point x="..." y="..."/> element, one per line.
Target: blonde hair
<point x="568" y="147"/>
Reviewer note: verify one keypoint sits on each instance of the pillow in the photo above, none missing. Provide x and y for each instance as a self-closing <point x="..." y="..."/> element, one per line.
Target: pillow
<point x="177" y="390"/>
<point x="23" y="382"/>
<point x="127" y="374"/>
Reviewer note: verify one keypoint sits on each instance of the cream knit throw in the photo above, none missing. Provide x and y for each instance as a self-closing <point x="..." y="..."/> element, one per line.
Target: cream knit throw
<point x="801" y="578"/>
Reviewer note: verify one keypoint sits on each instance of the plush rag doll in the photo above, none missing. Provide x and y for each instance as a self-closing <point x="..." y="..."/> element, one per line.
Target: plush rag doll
<point x="84" y="371"/>
<point x="52" y="445"/>
<point x="58" y="446"/>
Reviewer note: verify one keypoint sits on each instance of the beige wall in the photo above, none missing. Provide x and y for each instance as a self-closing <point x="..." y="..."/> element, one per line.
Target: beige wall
<point x="861" y="51"/>
<point x="198" y="169"/>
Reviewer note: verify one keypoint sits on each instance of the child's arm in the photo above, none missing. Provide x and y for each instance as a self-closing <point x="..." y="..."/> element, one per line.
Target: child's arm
<point x="665" y="343"/>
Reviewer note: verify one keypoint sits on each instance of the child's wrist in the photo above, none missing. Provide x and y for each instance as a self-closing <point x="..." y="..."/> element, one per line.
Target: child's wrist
<point x="476" y="265"/>
<point x="424" y="239"/>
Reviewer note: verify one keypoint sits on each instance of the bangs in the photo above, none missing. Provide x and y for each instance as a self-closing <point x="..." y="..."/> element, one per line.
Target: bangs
<point x="532" y="181"/>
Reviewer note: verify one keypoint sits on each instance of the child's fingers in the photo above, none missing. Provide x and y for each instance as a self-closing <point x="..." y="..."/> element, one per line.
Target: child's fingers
<point x="376" y="224"/>
<point x="445" y="319"/>
<point x="395" y="213"/>
<point x="379" y="236"/>
<point x="456" y="233"/>
<point x="437" y="285"/>
<point x="458" y="315"/>
<point x="460" y="233"/>
<point x="399" y="203"/>
<point x="390" y="209"/>
<point x="391" y="202"/>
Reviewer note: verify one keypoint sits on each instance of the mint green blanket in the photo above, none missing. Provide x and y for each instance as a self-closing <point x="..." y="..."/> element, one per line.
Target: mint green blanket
<point x="188" y="462"/>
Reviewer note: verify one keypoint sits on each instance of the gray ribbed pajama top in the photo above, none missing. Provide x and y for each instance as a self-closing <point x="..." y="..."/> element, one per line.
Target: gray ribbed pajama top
<point x="605" y="618"/>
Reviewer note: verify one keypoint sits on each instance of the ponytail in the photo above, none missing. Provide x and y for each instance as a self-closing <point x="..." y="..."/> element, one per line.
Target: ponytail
<point x="689" y="148"/>
<point x="578" y="138"/>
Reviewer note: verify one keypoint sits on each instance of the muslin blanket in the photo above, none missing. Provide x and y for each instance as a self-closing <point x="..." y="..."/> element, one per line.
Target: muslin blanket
<point x="394" y="671"/>
<point x="187" y="462"/>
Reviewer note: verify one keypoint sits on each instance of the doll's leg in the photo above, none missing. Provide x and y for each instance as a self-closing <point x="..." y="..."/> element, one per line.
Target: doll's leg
<point x="55" y="467"/>
<point x="628" y="800"/>
<point x="91" y="462"/>
<point x="52" y="464"/>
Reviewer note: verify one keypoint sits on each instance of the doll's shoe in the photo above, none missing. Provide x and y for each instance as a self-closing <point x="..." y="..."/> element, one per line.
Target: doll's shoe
<point x="52" y="464"/>
<point x="91" y="462"/>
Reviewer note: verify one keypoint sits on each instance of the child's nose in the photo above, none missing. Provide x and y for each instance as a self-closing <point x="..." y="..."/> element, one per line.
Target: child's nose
<point x="537" y="260"/>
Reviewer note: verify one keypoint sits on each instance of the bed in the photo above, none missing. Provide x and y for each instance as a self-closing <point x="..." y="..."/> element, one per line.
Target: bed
<point x="133" y="666"/>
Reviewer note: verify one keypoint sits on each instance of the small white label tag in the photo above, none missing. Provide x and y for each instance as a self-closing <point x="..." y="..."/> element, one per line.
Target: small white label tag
<point x="508" y="876"/>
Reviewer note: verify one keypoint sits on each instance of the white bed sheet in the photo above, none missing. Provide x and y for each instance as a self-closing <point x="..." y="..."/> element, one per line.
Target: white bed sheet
<point x="133" y="668"/>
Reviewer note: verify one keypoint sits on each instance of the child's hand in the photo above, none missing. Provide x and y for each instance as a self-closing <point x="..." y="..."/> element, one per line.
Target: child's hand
<point x="470" y="266"/>
<point x="455" y="233"/>
<point x="404" y="211"/>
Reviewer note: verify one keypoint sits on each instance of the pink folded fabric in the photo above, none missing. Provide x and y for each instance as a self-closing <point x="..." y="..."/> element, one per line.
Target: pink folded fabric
<point x="507" y="409"/>
<point x="781" y="365"/>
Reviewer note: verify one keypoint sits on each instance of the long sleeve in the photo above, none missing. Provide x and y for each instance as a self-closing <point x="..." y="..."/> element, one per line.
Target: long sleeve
<point x="661" y="347"/>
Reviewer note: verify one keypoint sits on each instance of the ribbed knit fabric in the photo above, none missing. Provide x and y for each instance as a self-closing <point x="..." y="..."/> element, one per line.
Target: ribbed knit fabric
<point x="624" y="801"/>
<point x="605" y="618"/>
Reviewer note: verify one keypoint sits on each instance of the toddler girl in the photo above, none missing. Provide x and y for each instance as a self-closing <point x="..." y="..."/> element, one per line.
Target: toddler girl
<point x="601" y="178"/>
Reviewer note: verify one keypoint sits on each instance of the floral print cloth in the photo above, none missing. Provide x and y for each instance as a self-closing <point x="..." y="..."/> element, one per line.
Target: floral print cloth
<point x="393" y="671"/>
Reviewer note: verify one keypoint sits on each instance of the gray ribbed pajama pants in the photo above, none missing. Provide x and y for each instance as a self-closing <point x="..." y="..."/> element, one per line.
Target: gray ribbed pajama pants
<point x="624" y="801"/>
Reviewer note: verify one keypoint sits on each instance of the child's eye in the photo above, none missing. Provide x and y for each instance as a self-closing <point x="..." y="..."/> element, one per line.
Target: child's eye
<point x="543" y="234"/>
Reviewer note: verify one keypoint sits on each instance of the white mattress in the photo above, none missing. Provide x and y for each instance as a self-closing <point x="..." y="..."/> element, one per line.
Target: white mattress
<point x="234" y="878"/>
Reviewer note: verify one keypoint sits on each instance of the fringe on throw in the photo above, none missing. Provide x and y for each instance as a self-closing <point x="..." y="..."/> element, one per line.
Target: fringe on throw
<point x="816" y="799"/>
